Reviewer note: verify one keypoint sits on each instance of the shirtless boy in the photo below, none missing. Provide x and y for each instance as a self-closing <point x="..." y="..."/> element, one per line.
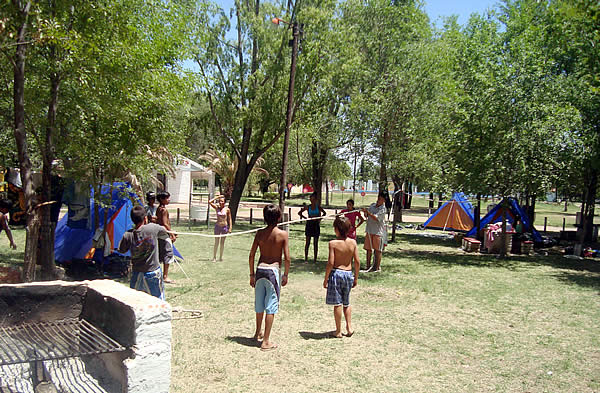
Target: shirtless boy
<point x="339" y="279"/>
<point x="162" y="218"/>
<point x="272" y="242"/>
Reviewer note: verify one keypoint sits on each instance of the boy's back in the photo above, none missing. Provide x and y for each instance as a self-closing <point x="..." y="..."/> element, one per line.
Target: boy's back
<point x="271" y="242"/>
<point x="343" y="253"/>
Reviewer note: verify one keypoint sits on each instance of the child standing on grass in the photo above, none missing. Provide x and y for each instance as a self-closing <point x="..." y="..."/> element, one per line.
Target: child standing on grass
<point x="162" y="218"/>
<point x="5" y="206"/>
<point x="272" y="242"/>
<point x="339" y="279"/>
<point x="143" y="242"/>
<point x="313" y="228"/>
<point x="223" y="225"/>
<point x="352" y="215"/>
<point x="376" y="232"/>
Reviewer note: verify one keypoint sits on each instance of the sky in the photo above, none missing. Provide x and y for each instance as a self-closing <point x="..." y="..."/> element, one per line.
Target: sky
<point x="437" y="9"/>
<point x="434" y="8"/>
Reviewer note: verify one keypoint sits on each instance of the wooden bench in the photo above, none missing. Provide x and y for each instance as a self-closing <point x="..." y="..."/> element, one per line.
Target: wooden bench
<point x="470" y="244"/>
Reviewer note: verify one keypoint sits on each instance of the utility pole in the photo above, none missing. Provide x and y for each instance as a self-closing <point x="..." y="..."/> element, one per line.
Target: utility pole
<point x="290" y="109"/>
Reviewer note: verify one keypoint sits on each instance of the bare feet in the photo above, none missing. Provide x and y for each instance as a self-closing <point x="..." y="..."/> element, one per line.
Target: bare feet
<point x="335" y="334"/>
<point x="214" y="260"/>
<point x="268" y="346"/>
<point x="349" y="333"/>
<point x="168" y="281"/>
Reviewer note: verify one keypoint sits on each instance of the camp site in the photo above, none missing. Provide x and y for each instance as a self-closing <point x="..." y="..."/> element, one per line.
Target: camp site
<point x="299" y="196"/>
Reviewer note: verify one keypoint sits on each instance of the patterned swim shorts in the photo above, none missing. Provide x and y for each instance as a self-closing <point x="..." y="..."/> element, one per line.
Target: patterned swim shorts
<point x="338" y="287"/>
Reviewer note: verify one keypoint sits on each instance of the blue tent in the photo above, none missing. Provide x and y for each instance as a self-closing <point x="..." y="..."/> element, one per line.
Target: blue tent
<point x="454" y="215"/>
<point x="514" y="210"/>
<point x="73" y="239"/>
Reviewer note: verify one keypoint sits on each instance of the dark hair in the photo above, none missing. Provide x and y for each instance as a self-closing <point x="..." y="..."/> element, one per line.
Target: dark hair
<point x="162" y="195"/>
<point x="383" y="194"/>
<point x="271" y="214"/>
<point x="314" y="194"/>
<point x="351" y="201"/>
<point x="5" y="204"/>
<point x="150" y="195"/>
<point x="138" y="213"/>
<point x="342" y="224"/>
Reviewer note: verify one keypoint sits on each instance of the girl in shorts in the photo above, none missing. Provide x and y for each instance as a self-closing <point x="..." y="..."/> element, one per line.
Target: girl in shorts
<point x="222" y="226"/>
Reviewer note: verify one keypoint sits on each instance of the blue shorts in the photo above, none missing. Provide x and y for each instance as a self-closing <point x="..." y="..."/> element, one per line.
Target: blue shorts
<point x="266" y="290"/>
<point x="149" y="282"/>
<point x="338" y="287"/>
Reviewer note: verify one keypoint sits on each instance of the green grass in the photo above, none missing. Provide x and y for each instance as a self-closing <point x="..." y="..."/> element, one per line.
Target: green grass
<point x="436" y="319"/>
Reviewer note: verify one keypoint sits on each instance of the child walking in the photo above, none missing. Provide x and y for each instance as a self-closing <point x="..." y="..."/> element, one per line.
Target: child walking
<point x="339" y="279"/>
<point x="272" y="242"/>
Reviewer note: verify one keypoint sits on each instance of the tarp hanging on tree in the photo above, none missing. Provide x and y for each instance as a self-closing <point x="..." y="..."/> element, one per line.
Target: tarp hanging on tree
<point x="454" y="215"/>
<point x="512" y="211"/>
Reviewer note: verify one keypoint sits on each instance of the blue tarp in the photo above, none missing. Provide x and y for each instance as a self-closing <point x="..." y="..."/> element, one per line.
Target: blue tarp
<point x="495" y="215"/>
<point x="75" y="243"/>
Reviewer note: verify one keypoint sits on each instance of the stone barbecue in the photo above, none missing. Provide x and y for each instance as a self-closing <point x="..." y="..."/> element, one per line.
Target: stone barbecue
<point x="91" y="336"/>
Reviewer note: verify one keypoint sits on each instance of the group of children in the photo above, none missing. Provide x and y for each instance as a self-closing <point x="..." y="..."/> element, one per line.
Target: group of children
<point x="342" y="269"/>
<point x="375" y="234"/>
<point x="150" y="243"/>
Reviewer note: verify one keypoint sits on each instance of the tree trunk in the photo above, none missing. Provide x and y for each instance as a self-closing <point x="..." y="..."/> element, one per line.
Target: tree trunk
<point x="20" y="134"/>
<point x="383" y="178"/>
<point x="46" y="254"/>
<point x="503" y="236"/>
<point x="319" y="155"/>
<point x="327" y="192"/>
<point x="477" y="214"/>
<point x="241" y="177"/>
<point x="397" y="214"/>
<point x="588" y="207"/>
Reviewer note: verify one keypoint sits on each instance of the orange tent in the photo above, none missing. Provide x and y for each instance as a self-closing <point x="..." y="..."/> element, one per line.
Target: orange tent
<point x="454" y="215"/>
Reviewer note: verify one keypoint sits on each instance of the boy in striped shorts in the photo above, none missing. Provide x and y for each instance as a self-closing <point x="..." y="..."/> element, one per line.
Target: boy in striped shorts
<point x="339" y="279"/>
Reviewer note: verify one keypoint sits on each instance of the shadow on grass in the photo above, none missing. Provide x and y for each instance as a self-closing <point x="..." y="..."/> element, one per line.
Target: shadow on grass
<point x="245" y="341"/>
<point x="316" y="335"/>
<point x="584" y="272"/>
<point x="299" y="266"/>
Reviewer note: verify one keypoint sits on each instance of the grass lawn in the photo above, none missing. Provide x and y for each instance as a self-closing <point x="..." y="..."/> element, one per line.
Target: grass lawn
<point x="435" y="320"/>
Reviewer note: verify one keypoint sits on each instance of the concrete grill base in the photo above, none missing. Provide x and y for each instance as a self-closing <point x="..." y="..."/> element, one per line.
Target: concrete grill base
<point x="138" y="321"/>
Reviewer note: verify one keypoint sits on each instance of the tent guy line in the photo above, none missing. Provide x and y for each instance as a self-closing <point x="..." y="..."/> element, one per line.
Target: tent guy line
<point x="258" y="229"/>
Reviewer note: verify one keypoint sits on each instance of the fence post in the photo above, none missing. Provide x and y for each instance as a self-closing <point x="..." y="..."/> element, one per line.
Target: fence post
<point x="545" y="223"/>
<point x="563" y="224"/>
<point x="250" y="216"/>
<point x="289" y="213"/>
<point x="178" y="213"/>
<point x="207" y="216"/>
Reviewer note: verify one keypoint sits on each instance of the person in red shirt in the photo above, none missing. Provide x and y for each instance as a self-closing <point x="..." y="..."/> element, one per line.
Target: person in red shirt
<point x="352" y="215"/>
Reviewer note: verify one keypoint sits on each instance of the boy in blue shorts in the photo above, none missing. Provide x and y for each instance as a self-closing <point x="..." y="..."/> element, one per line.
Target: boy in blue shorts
<point x="272" y="242"/>
<point x="339" y="279"/>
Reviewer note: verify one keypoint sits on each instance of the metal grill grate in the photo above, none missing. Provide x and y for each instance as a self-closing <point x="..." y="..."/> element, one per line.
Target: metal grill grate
<point x="53" y="340"/>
